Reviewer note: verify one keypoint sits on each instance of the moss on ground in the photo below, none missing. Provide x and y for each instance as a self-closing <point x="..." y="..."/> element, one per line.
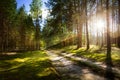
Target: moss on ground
<point x="94" y="53"/>
<point x="33" y="65"/>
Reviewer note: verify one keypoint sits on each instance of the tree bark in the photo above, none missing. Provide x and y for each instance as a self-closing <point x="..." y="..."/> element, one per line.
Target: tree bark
<point x="79" y="35"/>
<point x="87" y="34"/>
<point x="108" y="56"/>
<point x="118" y="42"/>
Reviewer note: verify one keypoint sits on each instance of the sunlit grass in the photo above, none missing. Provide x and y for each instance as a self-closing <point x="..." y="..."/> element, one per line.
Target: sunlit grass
<point x="94" y="53"/>
<point x="33" y="65"/>
<point x="20" y="60"/>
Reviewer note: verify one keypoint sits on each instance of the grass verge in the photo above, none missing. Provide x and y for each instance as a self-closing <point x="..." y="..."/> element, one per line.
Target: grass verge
<point x="95" y="54"/>
<point x="96" y="69"/>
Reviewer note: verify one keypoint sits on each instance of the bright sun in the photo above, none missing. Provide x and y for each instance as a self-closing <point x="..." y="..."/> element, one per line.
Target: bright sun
<point x="99" y="25"/>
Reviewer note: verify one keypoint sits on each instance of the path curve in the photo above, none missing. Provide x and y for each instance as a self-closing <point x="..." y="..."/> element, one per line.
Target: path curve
<point x="68" y="70"/>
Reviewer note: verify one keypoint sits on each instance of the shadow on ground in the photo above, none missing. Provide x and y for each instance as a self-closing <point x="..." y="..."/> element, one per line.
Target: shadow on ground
<point x="26" y="66"/>
<point x="105" y="72"/>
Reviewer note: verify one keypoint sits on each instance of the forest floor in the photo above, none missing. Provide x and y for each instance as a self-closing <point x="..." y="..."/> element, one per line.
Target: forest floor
<point x="71" y="67"/>
<point x="95" y="54"/>
<point x="57" y="64"/>
<point x="30" y="65"/>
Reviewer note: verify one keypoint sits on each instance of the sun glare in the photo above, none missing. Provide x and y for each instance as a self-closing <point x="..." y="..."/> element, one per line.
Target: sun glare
<point x="99" y="25"/>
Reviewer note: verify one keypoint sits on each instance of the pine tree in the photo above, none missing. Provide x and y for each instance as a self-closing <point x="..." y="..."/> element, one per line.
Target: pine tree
<point x="36" y="14"/>
<point x="7" y="15"/>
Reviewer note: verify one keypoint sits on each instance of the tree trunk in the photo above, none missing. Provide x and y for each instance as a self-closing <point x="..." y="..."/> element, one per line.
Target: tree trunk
<point x="87" y="34"/>
<point x="108" y="56"/>
<point x="109" y="72"/>
<point x="79" y="35"/>
<point x="79" y="24"/>
<point x="118" y="42"/>
<point x="37" y="35"/>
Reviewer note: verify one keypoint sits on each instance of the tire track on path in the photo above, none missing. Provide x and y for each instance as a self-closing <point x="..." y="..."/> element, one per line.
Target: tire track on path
<point x="68" y="70"/>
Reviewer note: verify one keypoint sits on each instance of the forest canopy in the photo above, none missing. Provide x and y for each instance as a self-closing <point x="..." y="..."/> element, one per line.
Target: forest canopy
<point x="68" y="22"/>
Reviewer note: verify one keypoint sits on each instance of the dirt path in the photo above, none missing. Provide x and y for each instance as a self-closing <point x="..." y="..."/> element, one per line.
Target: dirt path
<point x="68" y="70"/>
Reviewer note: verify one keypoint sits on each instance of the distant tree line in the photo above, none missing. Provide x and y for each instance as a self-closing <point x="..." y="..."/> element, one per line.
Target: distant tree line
<point x="77" y="18"/>
<point x="18" y="30"/>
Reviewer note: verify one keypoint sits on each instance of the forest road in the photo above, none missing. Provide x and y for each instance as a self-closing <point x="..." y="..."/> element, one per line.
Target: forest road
<point x="68" y="70"/>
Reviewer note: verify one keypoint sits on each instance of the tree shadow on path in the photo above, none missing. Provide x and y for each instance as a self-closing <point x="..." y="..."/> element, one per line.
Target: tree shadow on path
<point x="109" y="71"/>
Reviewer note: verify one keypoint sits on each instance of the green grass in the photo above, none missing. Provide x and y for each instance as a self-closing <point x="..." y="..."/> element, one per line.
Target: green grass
<point x="94" y="53"/>
<point x="33" y="65"/>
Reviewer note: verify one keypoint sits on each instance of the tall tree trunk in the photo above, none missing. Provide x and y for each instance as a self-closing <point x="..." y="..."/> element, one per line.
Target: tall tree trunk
<point x="79" y="35"/>
<point x="87" y="34"/>
<point x="37" y="35"/>
<point x="79" y="24"/>
<point x="108" y="57"/>
<point x="119" y="25"/>
<point x="109" y="72"/>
